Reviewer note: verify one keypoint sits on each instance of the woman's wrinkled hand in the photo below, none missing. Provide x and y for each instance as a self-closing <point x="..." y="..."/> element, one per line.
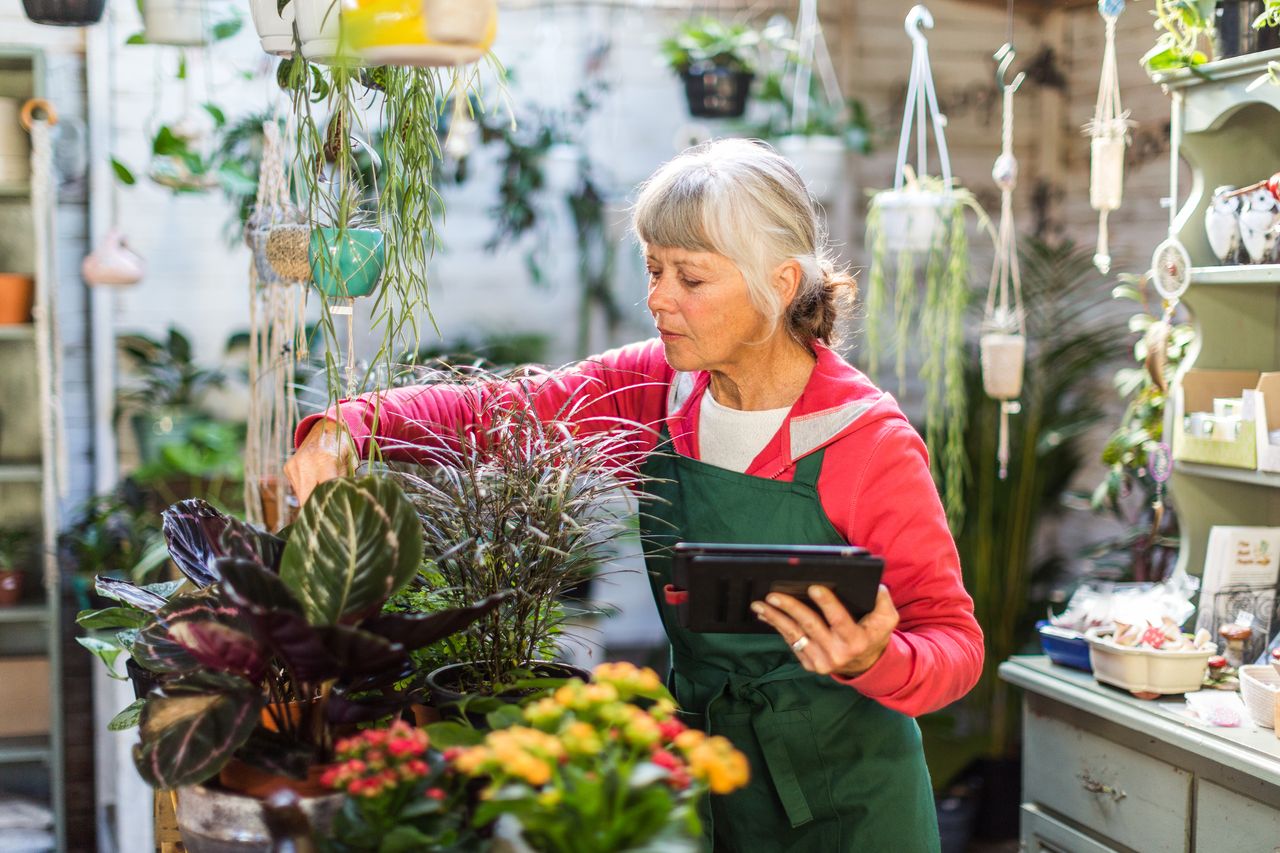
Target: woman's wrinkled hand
<point x="837" y="643"/>
<point x="327" y="452"/>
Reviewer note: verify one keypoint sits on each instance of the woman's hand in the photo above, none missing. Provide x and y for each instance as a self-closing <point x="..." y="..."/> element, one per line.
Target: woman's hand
<point x="326" y="453"/>
<point x="837" y="644"/>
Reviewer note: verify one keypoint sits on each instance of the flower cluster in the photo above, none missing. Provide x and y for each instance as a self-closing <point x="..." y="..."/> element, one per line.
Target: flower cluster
<point x="378" y="761"/>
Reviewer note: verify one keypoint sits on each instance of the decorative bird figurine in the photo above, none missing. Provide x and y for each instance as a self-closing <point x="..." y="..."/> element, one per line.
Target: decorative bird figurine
<point x="1258" y="218"/>
<point x="1222" y="225"/>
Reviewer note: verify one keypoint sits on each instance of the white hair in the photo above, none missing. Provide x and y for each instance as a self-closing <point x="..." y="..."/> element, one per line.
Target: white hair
<point x="741" y="199"/>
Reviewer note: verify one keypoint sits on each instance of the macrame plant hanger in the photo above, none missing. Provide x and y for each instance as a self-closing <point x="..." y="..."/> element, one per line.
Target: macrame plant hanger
<point x="1003" y="341"/>
<point x="277" y="333"/>
<point x="1109" y="133"/>
<point x="922" y="105"/>
<point x="812" y="53"/>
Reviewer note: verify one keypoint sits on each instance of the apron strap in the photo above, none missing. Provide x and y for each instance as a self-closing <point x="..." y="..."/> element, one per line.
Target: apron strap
<point x="808" y="469"/>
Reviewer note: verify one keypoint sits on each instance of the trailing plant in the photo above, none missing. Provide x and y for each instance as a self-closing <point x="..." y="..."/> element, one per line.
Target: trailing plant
<point x="1183" y="25"/>
<point x="1270" y="16"/>
<point x="1148" y="546"/>
<point x="269" y="646"/>
<point x="519" y="502"/>
<point x="848" y="121"/>
<point x="710" y="40"/>
<point x="1069" y="342"/>
<point x="928" y="325"/>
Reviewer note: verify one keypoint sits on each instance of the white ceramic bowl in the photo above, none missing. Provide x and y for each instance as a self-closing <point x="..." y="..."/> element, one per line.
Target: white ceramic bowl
<point x="1146" y="670"/>
<point x="1258" y="688"/>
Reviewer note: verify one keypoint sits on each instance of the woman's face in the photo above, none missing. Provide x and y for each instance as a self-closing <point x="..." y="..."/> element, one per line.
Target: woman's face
<point x="700" y="305"/>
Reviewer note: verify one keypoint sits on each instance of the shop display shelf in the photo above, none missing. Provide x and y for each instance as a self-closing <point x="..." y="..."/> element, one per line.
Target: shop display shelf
<point x="24" y="750"/>
<point x="17" y="332"/>
<point x="15" y="191"/>
<point x="22" y="613"/>
<point x="1266" y="479"/>
<point x="19" y="473"/>
<point x="1260" y="275"/>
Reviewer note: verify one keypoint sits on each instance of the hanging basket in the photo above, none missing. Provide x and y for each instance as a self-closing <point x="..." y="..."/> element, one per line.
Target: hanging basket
<point x="357" y="255"/>
<point x="912" y="219"/>
<point x="287" y="251"/>
<point x="112" y="263"/>
<point x="439" y="33"/>
<point x="177" y="22"/>
<point x="274" y="26"/>
<point x="319" y="28"/>
<point x="716" y="92"/>
<point x="1003" y="359"/>
<point x="821" y="160"/>
<point x="64" y="13"/>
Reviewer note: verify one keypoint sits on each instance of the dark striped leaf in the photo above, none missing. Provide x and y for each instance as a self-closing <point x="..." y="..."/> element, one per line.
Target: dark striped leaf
<point x="214" y="634"/>
<point x="418" y="630"/>
<point x="355" y="543"/>
<point x="128" y="593"/>
<point x="198" y="535"/>
<point x="253" y="588"/>
<point x="193" y="725"/>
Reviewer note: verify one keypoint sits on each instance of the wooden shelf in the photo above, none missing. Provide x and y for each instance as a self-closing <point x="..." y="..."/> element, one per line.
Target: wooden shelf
<point x="1262" y="275"/>
<point x="1266" y="479"/>
<point x="21" y="613"/>
<point x="19" y="191"/>
<point x="18" y="332"/>
<point x="11" y="473"/>
<point x="24" y="750"/>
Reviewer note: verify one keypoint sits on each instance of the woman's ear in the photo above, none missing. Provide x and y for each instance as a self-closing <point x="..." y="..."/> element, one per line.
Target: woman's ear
<point x="786" y="280"/>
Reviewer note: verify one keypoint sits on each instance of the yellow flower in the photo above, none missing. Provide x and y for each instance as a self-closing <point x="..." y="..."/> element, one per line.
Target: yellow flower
<point x="581" y="738"/>
<point x="549" y="798"/>
<point x="716" y="762"/>
<point x="472" y="760"/>
<point x="545" y="712"/>
<point x="689" y="739"/>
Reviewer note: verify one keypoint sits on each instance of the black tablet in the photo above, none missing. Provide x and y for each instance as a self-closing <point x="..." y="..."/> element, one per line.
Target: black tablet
<point x="713" y="584"/>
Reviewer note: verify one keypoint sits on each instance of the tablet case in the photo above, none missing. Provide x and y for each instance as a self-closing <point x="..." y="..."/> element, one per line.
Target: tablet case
<point x="713" y="584"/>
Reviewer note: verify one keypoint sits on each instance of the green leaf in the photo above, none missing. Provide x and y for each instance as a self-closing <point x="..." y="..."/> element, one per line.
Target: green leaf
<point x="182" y="65"/>
<point x="128" y="718"/>
<point x="136" y="38"/>
<point x="123" y="173"/>
<point x="505" y="717"/>
<point x="356" y="543"/>
<point x="405" y="839"/>
<point x="225" y="29"/>
<point x="105" y="651"/>
<point x="215" y="112"/>
<point x="446" y="734"/>
<point x="193" y="726"/>
<point x="110" y="618"/>
<point x="168" y="144"/>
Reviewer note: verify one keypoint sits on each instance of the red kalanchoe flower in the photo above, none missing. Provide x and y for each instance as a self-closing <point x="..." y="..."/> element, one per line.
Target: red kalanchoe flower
<point x="435" y="794"/>
<point x="452" y="753"/>
<point x="418" y="767"/>
<point x="663" y="758"/>
<point x="680" y="779"/>
<point x="671" y="728"/>
<point x="400" y="747"/>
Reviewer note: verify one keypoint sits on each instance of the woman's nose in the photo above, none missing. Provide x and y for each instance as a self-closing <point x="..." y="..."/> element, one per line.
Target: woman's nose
<point x="659" y="298"/>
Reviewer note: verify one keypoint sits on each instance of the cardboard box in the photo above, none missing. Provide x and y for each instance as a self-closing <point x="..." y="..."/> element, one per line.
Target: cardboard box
<point x="1268" y="418"/>
<point x="24" y="700"/>
<point x="1196" y="393"/>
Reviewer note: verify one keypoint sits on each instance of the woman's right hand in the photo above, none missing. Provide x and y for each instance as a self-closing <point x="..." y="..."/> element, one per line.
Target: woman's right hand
<point x="327" y="452"/>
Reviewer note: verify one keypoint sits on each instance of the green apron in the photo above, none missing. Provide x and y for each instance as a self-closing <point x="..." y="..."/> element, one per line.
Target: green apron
<point x="831" y="770"/>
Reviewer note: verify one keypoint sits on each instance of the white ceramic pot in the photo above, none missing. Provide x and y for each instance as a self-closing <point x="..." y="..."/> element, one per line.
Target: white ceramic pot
<point x="458" y="21"/>
<point x="1146" y="670"/>
<point x="15" y="156"/>
<point x="821" y="160"/>
<point x="912" y="219"/>
<point x="113" y="263"/>
<point x="214" y="821"/>
<point x="318" y="28"/>
<point x="179" y="22"/>
<point x="1003" y="358"/>
<point x="1106" y="173"/>
<point x="275" y="28"/>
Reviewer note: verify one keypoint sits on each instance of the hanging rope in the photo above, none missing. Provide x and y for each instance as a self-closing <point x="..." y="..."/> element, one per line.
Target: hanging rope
<point x="1109" y="132"/>
<point x="921" y="105"/>
<point x="1003" y="341"/>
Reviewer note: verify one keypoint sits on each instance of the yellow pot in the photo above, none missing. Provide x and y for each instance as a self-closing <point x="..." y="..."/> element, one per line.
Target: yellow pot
<point x="396" y="32"/>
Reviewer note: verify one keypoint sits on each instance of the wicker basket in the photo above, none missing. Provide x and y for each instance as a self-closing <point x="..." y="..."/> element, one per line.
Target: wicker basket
<point x="1258" y="688"/>
<point x="288" y="251"/>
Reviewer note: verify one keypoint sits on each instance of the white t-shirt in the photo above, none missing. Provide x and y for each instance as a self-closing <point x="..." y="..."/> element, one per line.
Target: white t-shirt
<point x="731" y="438"/>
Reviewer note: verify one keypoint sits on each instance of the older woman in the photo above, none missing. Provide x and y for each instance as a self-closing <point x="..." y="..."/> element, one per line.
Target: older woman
<point x="776" y="440"/>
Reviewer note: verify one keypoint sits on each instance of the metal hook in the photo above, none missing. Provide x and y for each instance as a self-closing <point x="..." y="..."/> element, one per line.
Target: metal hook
<point x="917" y="18"/>
<point x="1004" y="56"/>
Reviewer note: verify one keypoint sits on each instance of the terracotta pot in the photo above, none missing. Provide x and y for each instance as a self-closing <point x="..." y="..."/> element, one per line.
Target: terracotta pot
<point x="249" y="780"/>
<point x="17" y="294"/>
<point x="425" y="715"/>
<point x="10" y="587"/>
<point x="216" y="821"/>
<point x="270" y="506"/>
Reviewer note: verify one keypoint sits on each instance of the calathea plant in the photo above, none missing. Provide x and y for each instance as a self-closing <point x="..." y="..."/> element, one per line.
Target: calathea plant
<point x="270" y="646"/>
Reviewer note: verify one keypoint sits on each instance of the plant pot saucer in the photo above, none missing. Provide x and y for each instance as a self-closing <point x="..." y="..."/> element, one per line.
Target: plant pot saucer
<point x="428" y="55"/>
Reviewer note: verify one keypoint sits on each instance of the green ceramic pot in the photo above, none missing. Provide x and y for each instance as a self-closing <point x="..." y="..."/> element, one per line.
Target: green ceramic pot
<point x="358" y="256"/>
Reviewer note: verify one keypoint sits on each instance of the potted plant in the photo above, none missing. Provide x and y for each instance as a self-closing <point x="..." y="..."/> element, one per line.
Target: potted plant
<point x="319" y="28"/>
<point x="273" y="19"/>
<point x="422" y="33"/>
<point x="1184" y="26"/>
<point x="717" y="63"/>
<point x="272" y="648"/>
<point x="561" y="485"/>
<point x="17" y="547"/>
<point x="17" y="295"/>
<point x="64" y="13"/>
<point x="166" y="387"/>
<point x="176" y="22"/>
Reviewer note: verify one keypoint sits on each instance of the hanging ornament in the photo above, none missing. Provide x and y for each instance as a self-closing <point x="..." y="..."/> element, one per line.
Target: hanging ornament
<point x="1170" y="272"/>
<point x="1003" y="342"/>
<point x="112" y="262"/>
<point x="1109" y="132"/>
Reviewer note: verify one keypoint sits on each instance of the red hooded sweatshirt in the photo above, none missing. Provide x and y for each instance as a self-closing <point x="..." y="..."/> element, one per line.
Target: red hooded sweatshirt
<point x="875" y="484"/>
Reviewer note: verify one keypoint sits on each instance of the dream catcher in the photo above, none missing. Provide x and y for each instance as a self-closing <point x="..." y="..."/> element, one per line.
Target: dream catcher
<point x="1109" y="132"/>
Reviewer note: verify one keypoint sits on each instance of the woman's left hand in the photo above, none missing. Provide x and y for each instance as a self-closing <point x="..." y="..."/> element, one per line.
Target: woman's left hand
<point x="836" y="643"/>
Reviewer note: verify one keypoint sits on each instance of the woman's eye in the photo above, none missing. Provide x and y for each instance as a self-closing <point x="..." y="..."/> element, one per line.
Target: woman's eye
<point x="689" y="282"/>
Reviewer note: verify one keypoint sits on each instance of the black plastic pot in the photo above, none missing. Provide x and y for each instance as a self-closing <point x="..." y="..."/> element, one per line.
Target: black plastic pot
<point x="716" y="92"/>
<point x="143" y="680"/>
<point x="1234" y="34"/>
<point x="957" y="809"/>
<point x="1000" y="807"/>
<point x="65" y="13"/>
<point x="443" y="693"/>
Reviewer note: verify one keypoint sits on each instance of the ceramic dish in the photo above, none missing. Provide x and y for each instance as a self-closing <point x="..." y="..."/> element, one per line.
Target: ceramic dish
<point x="1144" y="670"/>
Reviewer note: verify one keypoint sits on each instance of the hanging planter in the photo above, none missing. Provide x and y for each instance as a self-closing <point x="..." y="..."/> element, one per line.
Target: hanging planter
<point x="319" y="28"/>
<point x="715" y="92"/>
<point x="64" y="13"/>
<point x="177" y="22"/>
<point x="288" y="251"/>
<point x="717" y="64"/>
<point x="920" y="223"/>
<point x="421" y="32"/>
<point x="1109" y="136"/>
<point x="274" y="25"/>
<point x="355" y="254"/>
<point x="821" y="160"/>
<point x="112" y="263"/>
